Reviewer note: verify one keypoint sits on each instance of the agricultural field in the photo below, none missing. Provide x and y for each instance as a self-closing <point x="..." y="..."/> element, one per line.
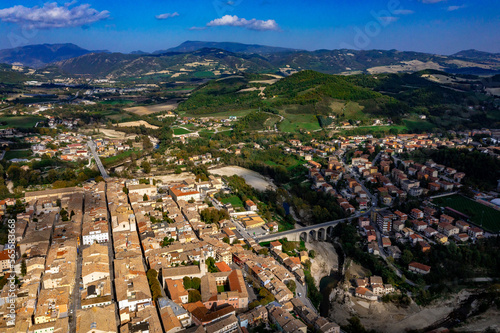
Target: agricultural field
<point x="20" y="122"/>
<point x="180" y="131"/>
<point x="117" y="158"/>
<point x="293" y="123"/>
<point x="150" y="109"/>
<point x="481" y="215"/>
<point x="137" y="124"/>
<point x="117" y="102"/>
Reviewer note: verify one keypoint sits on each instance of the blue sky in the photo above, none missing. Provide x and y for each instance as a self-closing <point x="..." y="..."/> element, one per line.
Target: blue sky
<point x="436" y="26"/>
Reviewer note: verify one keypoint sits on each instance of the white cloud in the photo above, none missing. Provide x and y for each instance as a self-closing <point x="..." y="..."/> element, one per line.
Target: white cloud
<point x="235" y="21"/>
<point x="51" y="15"/>
<point x="166" y="16"/>
<point x="403" y="12"/>
<point x="453" y="8"/>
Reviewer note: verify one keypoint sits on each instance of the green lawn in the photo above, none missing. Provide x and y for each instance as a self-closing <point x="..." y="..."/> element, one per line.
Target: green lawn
<point x="180" y="131"/>
<point x="17" y="154"/>
<point x="233" y="200"/>
<point x="296" y="122"/>
<point x="481" y="215"/>
<point x="20" y="121"/>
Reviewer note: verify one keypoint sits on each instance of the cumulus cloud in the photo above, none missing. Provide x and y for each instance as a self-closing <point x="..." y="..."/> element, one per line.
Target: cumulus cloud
<point x="403" y="12"/>
<point x="166" y="16"/>
<point x="453" y="8"/>
<point x="235" y="21"/>
<point x="51" y="15"/>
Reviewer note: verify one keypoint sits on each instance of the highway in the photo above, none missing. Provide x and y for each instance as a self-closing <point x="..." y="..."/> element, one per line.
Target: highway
<point x="98" y="162"/>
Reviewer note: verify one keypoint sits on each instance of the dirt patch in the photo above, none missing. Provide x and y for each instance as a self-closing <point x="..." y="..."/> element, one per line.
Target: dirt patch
<point x="137" y="124"/>
<point x="150" y="109"/>
<point x="112" y="134"/>
<point x="254" y="179"/>
<point x="174" y="177"/>
<point x="325" y="261"/>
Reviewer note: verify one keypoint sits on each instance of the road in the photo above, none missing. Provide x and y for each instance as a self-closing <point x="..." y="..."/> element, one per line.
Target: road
<point x="98" y="162"/>
<point x="302" y="290"/>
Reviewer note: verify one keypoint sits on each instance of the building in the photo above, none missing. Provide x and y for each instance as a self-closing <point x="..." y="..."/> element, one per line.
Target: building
<point x="181" y="192"/>
<point x="176" y="291"/>
<point x="96" y="319"/>
<point x="251" y="221"/>
<point x="224" y="288"/>
<point x="384" y="220"/>
<point x="419" y="268"/>
<point x="251" y="206"/>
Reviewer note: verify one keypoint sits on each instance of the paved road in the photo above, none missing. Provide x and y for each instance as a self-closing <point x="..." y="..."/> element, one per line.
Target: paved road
<point x="302" y="289"/>
<point x="98" y="162"/>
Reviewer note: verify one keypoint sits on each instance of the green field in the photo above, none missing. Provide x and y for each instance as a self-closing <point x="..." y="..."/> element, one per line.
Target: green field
<point x="481" y="215"/>
<point x="420" y="125"/>
<point x="17" y="154"/>
<point x="20" y="122"/>
<point x="180" y="131"/>
<point x="233" y="200"/>
<point x="117" y="158"/>
<point x="293" y="123"/>
<point x="225" y="114"/>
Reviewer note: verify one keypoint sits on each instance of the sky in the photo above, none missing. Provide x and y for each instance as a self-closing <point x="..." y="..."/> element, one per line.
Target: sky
<point x="433" y="26"/>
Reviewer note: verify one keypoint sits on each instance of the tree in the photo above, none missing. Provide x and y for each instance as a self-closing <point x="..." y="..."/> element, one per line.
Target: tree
<point x="145" y="197"/>
<point x="194" y="296"/>
<point x="196" y="283"/>
<point x="187" y="282"/>
<point x="406" y="257"/>
<point x="211" y="265"/>
<point x="23" y="267"/>
<point x="291" y="285"/>
<point x="146" y="166"/>
<point x="312" y="254"/>
<point x="226" y="240"/>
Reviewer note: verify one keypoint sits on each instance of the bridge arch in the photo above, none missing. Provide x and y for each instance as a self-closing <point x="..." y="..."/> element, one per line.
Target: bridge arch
<point x="312" y="235"/>
<point x="329" y="231"/>
<point x="322" y="234"/>
<point x="303" y="236"/>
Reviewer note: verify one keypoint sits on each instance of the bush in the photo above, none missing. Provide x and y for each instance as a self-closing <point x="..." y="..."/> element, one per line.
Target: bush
<point x="194" y="296"/>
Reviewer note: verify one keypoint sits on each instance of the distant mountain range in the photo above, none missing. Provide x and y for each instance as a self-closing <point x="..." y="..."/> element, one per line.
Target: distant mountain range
<point x="69" y="59"/>
<point x="37" y="56"/>
<point x="191" y="46"/>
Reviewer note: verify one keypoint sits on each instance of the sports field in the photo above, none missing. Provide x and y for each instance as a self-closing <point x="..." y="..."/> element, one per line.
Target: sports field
<point x="481" y="215"/>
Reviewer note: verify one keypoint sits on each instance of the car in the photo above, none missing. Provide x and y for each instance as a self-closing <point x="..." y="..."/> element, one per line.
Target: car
<point x="300" y="295"/>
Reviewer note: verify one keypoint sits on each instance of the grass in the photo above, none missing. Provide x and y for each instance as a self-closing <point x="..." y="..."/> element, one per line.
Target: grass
<point x="225" y="114"/>
<point x="17" y="154"/>
<point x="420" y="125"/>
<point x="293" y="123"/>
<point x="234" y="200"/>
<point x="117" y="158"/>
<point x="481" y="215"/>
<point x="20" y="121"/>
<point x="180" y="131"/>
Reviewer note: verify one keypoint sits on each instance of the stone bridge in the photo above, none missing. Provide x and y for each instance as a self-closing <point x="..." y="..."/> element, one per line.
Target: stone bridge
<point x="318" y="232"/>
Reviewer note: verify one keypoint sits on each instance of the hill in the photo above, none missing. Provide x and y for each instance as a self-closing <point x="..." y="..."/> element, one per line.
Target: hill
<point x="190" y="46"/>
<point x="37" y="56"/>
<point x="212" y="62"/>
